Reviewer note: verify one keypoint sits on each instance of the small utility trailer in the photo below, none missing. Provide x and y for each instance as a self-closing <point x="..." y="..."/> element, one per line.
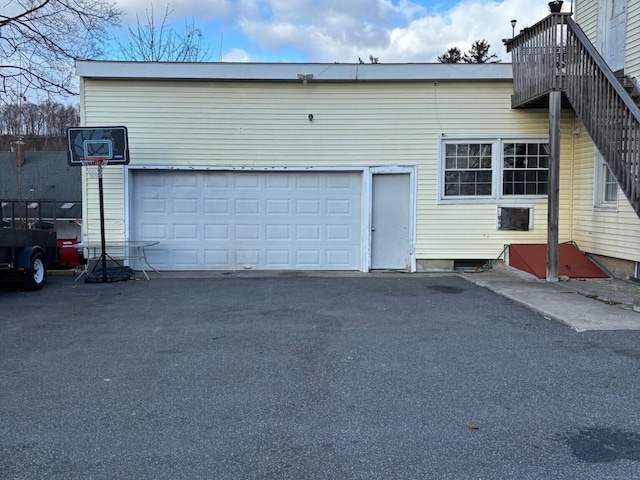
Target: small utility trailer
<point x="28" y="246"/>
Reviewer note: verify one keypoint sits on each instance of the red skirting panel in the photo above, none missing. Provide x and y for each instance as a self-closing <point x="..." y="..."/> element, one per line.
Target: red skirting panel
<point x="532" y="258"/>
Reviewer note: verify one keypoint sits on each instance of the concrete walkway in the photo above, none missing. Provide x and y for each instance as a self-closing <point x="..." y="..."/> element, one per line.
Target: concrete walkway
<point x="584" y="305"/>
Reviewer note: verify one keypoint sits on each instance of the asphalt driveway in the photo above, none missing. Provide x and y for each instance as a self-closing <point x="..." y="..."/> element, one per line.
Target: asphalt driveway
<point x="294" y="376"/>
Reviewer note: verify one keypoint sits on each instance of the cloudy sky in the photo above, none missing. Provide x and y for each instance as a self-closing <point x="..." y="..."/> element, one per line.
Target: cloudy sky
<point x="341" y="30"/>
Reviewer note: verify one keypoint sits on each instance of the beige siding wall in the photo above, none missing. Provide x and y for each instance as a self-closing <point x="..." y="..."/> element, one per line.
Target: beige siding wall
<point x="601" y="232"/>
<point x="355" y="125"/>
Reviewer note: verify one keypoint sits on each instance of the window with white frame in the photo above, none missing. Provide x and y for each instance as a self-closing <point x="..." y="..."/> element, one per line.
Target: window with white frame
<point x="468" y="169"/>
<point x="605" y="185"/>
<point x="493" y="168"/>
<point x="525" y="168"/>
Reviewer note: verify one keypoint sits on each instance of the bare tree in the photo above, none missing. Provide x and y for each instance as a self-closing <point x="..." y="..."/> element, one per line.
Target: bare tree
<point x="158" y="42"/>
<point x="48" y="118"/>
<point x="11" y="119"/>
<point x="39" y="39"/>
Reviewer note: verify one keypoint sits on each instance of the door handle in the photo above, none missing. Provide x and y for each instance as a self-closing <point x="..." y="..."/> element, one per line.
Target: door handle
<point x="373" y="229"/>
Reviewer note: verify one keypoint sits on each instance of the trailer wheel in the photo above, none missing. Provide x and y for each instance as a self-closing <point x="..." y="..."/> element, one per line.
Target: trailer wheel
<point x="37" y="273"/>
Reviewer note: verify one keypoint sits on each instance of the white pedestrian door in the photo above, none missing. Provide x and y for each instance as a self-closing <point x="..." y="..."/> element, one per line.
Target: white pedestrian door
<point x="615" y="26"/>
<point x="390" y="221"/>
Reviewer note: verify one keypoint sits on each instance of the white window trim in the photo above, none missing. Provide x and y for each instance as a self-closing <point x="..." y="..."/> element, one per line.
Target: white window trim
<point x="599" y="178"/>
<point x="497" y="169"/>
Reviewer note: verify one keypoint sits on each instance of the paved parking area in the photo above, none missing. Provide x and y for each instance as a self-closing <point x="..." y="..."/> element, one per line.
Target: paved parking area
<point x="292" y="376"/>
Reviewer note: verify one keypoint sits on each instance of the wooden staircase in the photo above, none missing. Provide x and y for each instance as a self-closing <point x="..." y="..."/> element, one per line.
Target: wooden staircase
<point x="556" y="55"/>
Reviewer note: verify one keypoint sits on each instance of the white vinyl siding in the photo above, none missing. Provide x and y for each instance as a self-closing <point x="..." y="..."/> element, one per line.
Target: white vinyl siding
<point x="632" y="62"/>
<point x="113" y="180"/>
<point x="586" y="15"/>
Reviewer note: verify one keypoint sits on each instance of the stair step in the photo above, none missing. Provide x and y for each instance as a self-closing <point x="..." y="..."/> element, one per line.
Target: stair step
<point x="630" y="86"/>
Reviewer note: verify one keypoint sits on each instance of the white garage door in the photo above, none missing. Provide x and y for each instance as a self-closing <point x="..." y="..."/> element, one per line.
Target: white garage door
<point x="238" y="220"/>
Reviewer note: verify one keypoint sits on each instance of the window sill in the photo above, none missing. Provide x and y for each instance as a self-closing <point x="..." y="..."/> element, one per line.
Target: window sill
<point x="523" y="200"/>
<point x="613" y="208"/>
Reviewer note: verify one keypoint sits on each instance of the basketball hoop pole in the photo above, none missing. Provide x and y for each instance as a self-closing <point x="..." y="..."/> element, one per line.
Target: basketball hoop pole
<point x="103" y="240"/>
<point x="99" y="162"/>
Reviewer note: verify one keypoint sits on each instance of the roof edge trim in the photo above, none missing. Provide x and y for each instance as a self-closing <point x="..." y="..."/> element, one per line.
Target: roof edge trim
<point x="298" y="72"/>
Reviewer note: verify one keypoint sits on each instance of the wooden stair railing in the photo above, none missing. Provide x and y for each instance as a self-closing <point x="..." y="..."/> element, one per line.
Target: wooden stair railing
<point x="555" y="54"/>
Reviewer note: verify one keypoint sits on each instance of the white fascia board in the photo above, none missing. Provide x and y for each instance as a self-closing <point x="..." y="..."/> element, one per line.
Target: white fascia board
<point x="293" y="72"/>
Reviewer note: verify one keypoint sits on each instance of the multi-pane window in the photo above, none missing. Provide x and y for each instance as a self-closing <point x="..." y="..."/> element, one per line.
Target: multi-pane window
<point x="606" y="185"/>
<point x="493" y="168"/>
<point x="525" y="168"/>
<point x="468" y="169"/>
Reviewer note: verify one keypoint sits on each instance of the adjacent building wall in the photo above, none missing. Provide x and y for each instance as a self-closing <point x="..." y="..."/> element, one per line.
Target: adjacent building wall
<point x="609" y="233"/>
<point x="586" y="15"/>
<point x="632" y="61"/>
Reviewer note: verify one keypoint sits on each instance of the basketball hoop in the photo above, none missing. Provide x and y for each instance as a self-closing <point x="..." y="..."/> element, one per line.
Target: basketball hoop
<point x="94" y="166"/>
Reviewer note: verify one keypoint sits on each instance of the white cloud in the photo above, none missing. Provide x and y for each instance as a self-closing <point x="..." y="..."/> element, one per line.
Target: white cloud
<point x="343" y="30"/>
<point x="237" y="55"/>
<point x="335" y="30"/>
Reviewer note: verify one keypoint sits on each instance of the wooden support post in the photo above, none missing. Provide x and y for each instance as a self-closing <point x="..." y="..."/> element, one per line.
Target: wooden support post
<point x="553" y="215"/>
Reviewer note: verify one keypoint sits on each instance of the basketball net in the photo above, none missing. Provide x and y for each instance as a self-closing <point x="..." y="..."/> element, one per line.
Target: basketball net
<point x="94" y="166"/>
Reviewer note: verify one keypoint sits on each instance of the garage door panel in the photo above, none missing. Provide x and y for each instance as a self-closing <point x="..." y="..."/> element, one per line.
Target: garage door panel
<point x="337" y="258"/>
<point x="216" y="180"/>
<point x="277" y="207"/>
<point x="277" y="258"/>
<point x="153" y="205"/>
<point x="308" y="258"/>
<point x="339" y="207"/>
<point x="216" y="206"/>
<point x="247" y="206"/>
<point x="247" y="232"/>
<point x="160" y="257"/>
<point x="247" y="257"/>
<point x="277" y="232"/>
<point x="247" y="181"/>
<point x="275" y="182"/>
<point x="259" y="220"/>
<point x="186" y="258"/>
<point x="154" y="231"/>
<point x="186" y="232"/>
<point x="217" y="258"/>
<point x="217" y="232"/>
<point x="186" y="205"/>
<point x="339" y="233"/>
<point x="307" y="182"/>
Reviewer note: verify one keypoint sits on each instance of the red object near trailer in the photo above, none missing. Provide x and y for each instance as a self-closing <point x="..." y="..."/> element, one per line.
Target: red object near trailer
<point x="68" y="253"/>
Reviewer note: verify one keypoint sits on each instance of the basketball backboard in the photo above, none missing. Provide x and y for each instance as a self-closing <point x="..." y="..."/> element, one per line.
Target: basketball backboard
<point x="97" y="143"/>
